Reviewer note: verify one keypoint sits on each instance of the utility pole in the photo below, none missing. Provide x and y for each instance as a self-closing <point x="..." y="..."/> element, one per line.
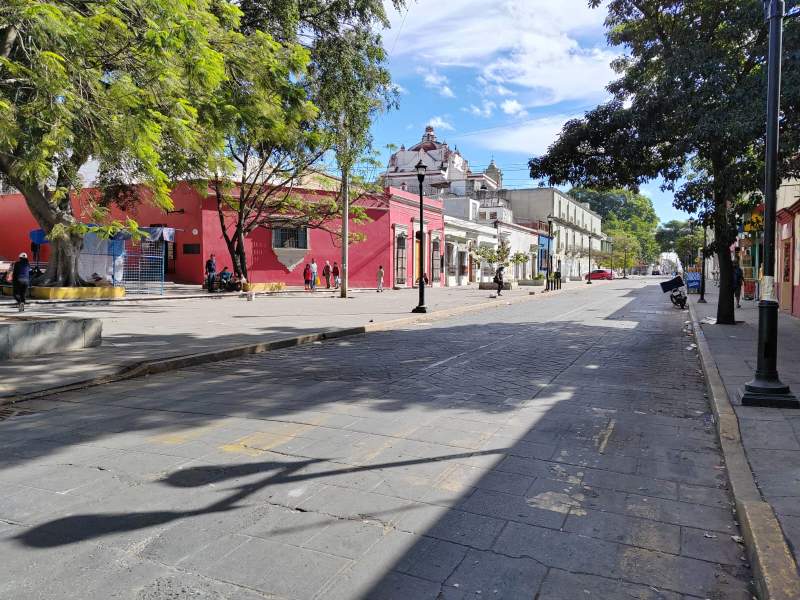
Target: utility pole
<point x="766" y="389"/>
<point x="345" y="230"/>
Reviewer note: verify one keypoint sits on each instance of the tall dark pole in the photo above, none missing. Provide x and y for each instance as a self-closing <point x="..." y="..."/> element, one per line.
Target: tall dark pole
<point x="625" y="264"/>
<point x="421" y="282"/>
<point x="766" y="388"/>
<point x="611" y="245"/>
<point x="702" y="299"/>
<point x="589" y="274"/>
<point x="549" y="254"/>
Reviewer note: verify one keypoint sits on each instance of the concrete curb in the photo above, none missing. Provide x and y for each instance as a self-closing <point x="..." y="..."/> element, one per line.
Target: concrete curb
<point x="174" y="363"/>
<point x="774" y="569"/>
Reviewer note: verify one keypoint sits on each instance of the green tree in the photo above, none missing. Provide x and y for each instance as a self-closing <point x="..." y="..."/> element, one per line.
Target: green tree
<point x="119" y="82"/>
<point x="668" y="233"/>
<point x="688" y="107"/>
<point x="688" y="246"/>
<point x="626" y="248"/>
<point x="342" y="80"/>
<point x="624" y="210"/>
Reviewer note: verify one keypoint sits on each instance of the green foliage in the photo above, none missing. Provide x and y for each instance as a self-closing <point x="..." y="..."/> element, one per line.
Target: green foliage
<point x="668" y="234"/>
<point x="624" y="210"/>
<point x="626" y="249"/>
<point x="688" y="107"/>
<point x="498" y="256"/>
<point x="519" y="258"/>
<point x="121" y="82"/>
<point x="688" y="246"/>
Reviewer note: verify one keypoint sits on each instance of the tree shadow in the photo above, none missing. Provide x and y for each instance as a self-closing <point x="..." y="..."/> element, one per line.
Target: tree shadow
<point x="571" y="463"/>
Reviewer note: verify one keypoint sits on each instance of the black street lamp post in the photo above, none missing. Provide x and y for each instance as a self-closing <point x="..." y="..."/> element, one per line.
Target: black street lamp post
<point x="547" y="287"/>
<point x="702" y="299"/>
<point x="766" y="388"/>
<point x="625" y="264"/>
<point x="420" y="308"/>
<point x="589" y="274"/>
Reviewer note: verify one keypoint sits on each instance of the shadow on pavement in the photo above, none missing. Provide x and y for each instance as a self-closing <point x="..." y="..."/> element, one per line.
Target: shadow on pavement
<point x="463" y="459"/>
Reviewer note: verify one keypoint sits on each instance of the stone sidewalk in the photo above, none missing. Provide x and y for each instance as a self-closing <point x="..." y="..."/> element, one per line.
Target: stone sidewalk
<point x="138" y="331"/>
<point x="771" y="437"/>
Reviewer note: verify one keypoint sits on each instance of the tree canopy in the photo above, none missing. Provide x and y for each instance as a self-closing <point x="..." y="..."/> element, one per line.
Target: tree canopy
<point x="624" y="210"/>
<point x="688" y="107"/>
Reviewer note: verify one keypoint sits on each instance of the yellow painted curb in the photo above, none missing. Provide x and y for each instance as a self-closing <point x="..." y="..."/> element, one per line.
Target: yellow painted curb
<point x="72" y="293"/>
<point x="774" y="568"/>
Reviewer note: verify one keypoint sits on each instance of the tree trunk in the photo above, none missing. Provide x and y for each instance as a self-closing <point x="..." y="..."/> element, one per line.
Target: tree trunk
<point x="62" y="266"/>
<point x="725" y="305"/>
<point x="240" y="261"/>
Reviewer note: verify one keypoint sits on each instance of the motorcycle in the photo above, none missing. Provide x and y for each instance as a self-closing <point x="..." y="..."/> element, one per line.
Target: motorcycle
<point x="676" y="287"/>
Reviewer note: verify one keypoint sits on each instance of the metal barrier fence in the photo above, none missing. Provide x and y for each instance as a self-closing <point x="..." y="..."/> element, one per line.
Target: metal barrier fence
<point x="139" y="267"/>
<point x="143" y="267"/>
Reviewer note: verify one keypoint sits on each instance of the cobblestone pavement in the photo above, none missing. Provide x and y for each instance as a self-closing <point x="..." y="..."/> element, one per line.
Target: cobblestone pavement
<point x="560" y="449"/>
<point x="771" y="437"/>
<point x="133" y="332"/>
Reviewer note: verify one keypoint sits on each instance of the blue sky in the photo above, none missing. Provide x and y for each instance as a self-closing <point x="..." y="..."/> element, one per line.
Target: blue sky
<point x="498" y="80"/>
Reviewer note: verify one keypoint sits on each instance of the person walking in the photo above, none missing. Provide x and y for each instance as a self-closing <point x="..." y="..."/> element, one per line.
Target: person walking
<point x="211" y="272"/>
<point x="307" y="277"/>
<point x="738" y="280"/>
<point x="21" y="280"/>
<point x="326" y="273"/>
<point x="336" y="279"/>
<point x="313" y="274"/>
<point x="380" y="278"/>
<point x="498" y="279"/>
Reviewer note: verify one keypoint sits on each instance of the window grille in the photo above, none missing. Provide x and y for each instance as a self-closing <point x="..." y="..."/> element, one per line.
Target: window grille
<point x="436" y="267"/>
<point x="285" y="237"/>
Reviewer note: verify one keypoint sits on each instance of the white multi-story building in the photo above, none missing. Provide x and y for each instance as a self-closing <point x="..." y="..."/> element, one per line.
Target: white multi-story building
<point x="575" y="226"/>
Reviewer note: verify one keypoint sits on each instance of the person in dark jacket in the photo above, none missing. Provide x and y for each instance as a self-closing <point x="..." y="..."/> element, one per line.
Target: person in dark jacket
<point x="211" y="273"/>
<point x="21" y="280"/>
<point x="738" y="280"/>
<point x="498" y="279"/>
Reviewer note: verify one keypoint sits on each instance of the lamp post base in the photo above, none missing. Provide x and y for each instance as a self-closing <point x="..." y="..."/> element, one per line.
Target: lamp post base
<point x="420" y="309"/>
<point x="768" y="394"/>
<point x="702" y="301"/>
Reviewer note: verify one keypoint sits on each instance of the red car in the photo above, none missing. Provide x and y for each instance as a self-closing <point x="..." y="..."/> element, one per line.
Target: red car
<point x="600" y="274"/>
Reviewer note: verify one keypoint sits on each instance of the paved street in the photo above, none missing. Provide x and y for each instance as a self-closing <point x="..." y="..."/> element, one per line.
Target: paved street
<point x="133" y="332"/>
<point x="560" y="449"/>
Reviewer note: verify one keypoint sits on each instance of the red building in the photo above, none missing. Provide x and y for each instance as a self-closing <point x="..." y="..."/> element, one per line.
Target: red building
<point x="273" y="255"/>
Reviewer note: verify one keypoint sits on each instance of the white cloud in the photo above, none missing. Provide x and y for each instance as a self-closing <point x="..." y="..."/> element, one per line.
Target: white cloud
<point x="440" y="123"/>
<point x="531" y="137"/>
<point x="484" y="110"/>
<point x="436" y="81"/>
<point x="548" y="51"/>
<point x="512" y="107"/>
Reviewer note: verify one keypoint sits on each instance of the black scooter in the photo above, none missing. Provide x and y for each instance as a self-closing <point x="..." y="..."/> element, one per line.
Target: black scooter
<point x="675" y="287"/>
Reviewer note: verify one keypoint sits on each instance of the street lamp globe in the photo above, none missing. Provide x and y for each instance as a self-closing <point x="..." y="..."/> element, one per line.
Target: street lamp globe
<point x="420" y="168"/>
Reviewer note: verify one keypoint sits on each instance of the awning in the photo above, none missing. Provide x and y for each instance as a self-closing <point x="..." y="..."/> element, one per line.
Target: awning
<point x="152" y="234"/>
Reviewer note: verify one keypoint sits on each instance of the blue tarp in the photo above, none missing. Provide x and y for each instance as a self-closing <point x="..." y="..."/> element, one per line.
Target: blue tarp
<point x="153" y="234"/>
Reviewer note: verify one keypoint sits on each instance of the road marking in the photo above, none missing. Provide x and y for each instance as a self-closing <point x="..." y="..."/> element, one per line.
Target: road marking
<point x="460" y="354"/>
<point x="606" y="434"/>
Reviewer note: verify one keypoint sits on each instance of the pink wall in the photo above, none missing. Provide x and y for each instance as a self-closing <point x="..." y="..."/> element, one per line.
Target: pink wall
<point x="197" y="223"/>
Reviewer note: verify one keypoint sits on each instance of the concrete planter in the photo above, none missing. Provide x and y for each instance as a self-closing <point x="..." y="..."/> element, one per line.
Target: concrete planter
<point x="532" y="282"/>
<point x="31" y="336"/>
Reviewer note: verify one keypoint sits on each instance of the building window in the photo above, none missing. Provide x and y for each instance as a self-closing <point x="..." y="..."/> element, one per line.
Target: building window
<point x="285" y="237"/>
<point x="191" y="248"/>
<point x="493" y="216"/>
<point x="400" y="260"/>
<point x="436" y="258"/>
